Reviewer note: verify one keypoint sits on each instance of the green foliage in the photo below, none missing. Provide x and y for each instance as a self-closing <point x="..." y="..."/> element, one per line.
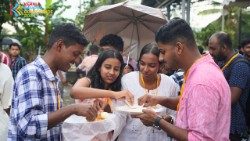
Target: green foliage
<point x="5" y="12"/>
<point x="203" y="35"/>
<point x="33" y="31"/>
<point x="245" y="24"/>
<point x="231" y="27"/>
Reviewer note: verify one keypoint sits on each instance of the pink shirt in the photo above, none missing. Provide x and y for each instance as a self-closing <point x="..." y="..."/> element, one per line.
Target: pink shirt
<point x="206" y="105"/>
<point x="88" y="62"/>
<point x="5" y="59"/>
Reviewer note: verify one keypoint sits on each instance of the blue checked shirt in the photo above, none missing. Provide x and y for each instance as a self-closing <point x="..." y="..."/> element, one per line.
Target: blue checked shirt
<point x="16" y="65"/>
<point x="34" y="97"/>
<point x="178" y="77"/>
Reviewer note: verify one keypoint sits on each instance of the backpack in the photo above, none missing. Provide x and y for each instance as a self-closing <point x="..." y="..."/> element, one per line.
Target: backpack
<point x="247" y="109"/>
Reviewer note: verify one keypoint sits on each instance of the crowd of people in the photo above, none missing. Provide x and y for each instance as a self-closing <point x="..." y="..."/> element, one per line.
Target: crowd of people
<point x="202" y="95"/>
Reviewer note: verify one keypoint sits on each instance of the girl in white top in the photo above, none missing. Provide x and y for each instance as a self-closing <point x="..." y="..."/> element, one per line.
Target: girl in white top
<point x="147" y="81"/>
<point x="6" y="88"/>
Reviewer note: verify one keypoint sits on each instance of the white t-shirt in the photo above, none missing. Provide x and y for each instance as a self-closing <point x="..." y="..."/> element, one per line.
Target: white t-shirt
<point x="6" y="90"/>
<point x="134" y="129"/>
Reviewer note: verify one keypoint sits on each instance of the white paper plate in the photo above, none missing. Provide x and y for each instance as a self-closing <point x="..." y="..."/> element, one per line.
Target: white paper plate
<point x="136" y="109"/>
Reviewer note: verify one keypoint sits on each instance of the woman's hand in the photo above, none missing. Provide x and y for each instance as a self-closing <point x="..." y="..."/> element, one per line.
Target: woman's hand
<point x="148" y="100"/>
<point x="125" y="94"/>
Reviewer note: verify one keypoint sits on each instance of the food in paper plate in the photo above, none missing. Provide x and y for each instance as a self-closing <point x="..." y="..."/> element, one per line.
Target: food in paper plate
<point x="136" y="109"/>
<point x="102" y="116"/>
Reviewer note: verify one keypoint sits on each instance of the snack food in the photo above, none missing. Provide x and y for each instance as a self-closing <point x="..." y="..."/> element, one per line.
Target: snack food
<point x="101" y="116"/>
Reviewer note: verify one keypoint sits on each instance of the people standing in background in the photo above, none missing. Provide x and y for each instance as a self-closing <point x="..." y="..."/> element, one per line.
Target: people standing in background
<point x="4" y="58"/>
<point x="245" y="48"/>
<point x="6" y="90"/>
<point x="177" y="75"/>
<point x="237" y="73"/>
<point x="17" y="62"/>
<point x="111" y="42"/>
<point x="128" y="68"/>
<point x="245" y="45"/>
<point x="89" y="61"/>
<point x="131" y="61"/>
<point x="115" y="42"/>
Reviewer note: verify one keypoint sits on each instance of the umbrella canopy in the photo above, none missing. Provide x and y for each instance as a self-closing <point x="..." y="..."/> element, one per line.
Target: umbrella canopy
<point x="8" y="41"/>
<point x="135" y="23"/>
<point x="239" y="3"/>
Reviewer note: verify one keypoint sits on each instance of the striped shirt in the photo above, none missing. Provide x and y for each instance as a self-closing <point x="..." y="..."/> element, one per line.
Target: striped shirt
<point x="16" y="65"/>
<point x="34" y="97"/>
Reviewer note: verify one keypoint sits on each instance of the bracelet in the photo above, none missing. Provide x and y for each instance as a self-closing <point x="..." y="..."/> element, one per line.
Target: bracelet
<point x="169" y="119"/>
<point x="157" y="122"/>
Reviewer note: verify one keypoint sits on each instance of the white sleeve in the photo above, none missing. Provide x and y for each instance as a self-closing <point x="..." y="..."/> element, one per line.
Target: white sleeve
<point x="173" y="91"/>
<point x="7" y="93"/>
<point x="124" y="83"/>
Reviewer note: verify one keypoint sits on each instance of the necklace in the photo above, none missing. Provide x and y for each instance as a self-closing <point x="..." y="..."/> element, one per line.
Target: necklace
<point x="229" y="61"/>
<point x="144" y="86"/>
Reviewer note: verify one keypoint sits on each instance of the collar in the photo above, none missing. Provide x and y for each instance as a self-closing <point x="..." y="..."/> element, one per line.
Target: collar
<point x="40" y="63"/>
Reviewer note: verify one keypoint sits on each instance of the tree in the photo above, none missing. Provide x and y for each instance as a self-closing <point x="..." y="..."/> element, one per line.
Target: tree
<point x="5" y="12"/>
<point x="203" y="35"/>
<point x="231" y="26"/>
<point x="245" y="24"/>
<point x="33" y="31"/>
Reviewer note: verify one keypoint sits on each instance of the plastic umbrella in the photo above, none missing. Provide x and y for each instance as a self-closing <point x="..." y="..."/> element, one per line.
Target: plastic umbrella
<point x="8" y="41"/>
<point x="135" y="23"/>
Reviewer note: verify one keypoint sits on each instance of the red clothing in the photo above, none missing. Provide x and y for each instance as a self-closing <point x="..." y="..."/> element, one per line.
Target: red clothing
<point x="4" y="58"/>
<point x="88" y="62"/>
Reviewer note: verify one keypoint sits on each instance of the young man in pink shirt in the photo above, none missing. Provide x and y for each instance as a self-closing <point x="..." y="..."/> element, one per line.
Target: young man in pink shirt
<point x="203" y="107"/>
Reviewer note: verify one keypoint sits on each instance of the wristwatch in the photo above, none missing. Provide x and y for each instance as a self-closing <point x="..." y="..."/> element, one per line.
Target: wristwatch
<point x="168" y="119"/>
<point x="157" y="122"/>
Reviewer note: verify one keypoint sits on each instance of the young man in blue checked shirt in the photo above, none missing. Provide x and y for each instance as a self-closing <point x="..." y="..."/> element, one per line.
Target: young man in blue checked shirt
<point x="37" y="112"/>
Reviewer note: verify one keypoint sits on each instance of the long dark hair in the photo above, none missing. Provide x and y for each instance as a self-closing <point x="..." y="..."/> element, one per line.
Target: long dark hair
<point x="94" y="73"/>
